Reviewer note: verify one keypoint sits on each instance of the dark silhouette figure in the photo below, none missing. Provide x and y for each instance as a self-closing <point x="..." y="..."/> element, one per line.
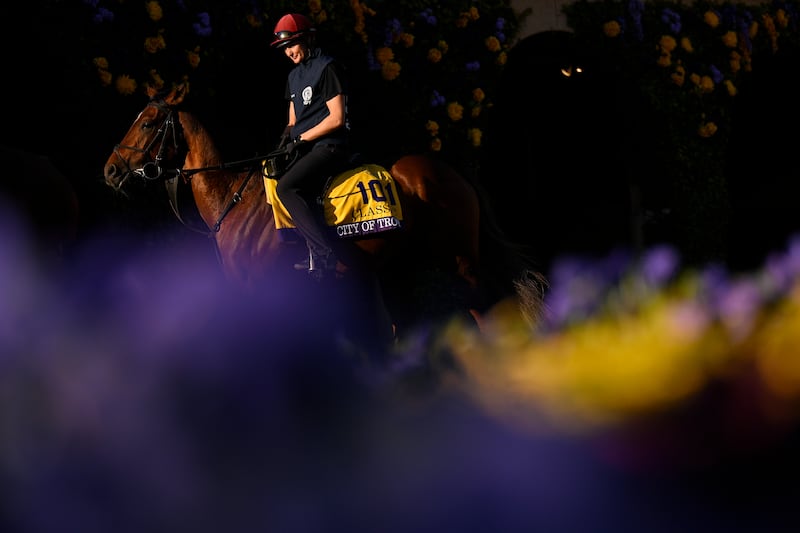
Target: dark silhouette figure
<point x="554" y="167"/>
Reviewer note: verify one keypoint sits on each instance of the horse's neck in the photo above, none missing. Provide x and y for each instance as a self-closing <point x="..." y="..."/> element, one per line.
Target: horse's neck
<point x="213" y="188"/>
<point x="203" y="153"/>
<point x="216" y="190"/>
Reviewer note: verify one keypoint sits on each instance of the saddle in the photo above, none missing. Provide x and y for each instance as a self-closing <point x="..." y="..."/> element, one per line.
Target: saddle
<point x="359" y="202"/>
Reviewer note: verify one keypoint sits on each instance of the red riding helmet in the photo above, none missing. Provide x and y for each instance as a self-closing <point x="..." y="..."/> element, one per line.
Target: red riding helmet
<point x="291" y="27"/>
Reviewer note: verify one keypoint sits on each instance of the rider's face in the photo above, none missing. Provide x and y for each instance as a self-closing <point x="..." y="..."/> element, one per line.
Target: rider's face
<point x="296" y="52"/>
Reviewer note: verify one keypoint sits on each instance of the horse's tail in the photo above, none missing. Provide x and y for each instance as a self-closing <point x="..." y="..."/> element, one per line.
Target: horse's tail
<point x="509" y="268"/>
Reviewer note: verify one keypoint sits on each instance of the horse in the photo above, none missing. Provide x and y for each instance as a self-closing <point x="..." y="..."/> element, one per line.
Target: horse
<point x="446" y="231"/>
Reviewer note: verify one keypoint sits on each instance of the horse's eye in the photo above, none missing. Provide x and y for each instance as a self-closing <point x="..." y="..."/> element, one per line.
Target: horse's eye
<point x="147" y="125"/>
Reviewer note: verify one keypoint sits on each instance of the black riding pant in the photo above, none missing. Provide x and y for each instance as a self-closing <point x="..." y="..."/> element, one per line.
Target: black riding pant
<point x="300" y="186"/>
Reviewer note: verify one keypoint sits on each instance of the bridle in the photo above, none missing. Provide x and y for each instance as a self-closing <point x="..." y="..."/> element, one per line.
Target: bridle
<point x="170" y="135"/>
<point x="168" y="130"/>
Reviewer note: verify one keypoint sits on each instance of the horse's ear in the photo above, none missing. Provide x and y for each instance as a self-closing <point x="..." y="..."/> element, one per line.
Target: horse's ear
<point x="151" y="91"/>
<point x="177" y="94"/>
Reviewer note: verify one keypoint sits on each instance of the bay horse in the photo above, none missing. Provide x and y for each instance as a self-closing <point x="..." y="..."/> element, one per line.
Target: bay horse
<point x="445" y="227"/>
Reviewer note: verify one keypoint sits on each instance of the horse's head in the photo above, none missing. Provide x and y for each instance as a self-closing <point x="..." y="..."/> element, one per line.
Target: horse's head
<point x="153" y="146"/>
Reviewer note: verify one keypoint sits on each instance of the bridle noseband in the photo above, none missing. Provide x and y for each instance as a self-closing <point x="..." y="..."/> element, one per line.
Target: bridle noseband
<point x="169" y="129"/>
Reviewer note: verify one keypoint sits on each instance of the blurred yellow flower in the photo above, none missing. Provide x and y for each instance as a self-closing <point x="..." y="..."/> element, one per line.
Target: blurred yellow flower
<point x="502" y="57"/>
<point x="612" y="28"/>
<point x="105" y="77"/>
<point x="711" y="18"/>
<point x="315" y="6"/>
<point x="753" y="30"/>
<point x="475" y="112"/>
<point x="406" y="39"/>
<point x="735" y="62"/>
<point x="433" y="127"/>
<point x="390" y="70"/>
<point x="706" y="84"/>
<point x="125" y="85"/>
<point x="253" y="21"/>
<point x="474" y="136"/>
<point x="781" y="18"/>
<point x="434" y="55"/>
<point x="678" y="76"/>
<point x="664" y="60"/>
<point x="729" y="39"/>
<point x="478" y="95"/>
<point x="775" y="349"/>
<point x="492" y="44"/>
<point x="154" y="10"/>
<point x="769" y="26"/>
<point x="686" y="44"/>
<point x="193" y="57"/>
<point x="100" y="62"/>
<point x="157" y="81"/>
<point x="730" y="87"/>
<point x="667" y="43"/>
<point x="443" y="46"/>
<point x="455" y="111"/>
<point x="383" y="55"/>
<point x="436" y="144"/>
<point x="707" y="129"/>
<point x="154" y="44"/>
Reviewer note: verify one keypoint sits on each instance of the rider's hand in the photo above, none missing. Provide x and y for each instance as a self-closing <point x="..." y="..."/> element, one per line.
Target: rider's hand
<point x="286" y="138"/>
<point x="296" y="145"/>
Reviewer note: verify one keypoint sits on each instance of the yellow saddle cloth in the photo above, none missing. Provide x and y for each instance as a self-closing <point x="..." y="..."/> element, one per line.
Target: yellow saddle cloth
<point x="357" y="203"/>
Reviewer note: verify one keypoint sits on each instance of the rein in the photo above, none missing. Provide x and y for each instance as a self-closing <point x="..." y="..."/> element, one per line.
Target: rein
<point x="172" y="190"/>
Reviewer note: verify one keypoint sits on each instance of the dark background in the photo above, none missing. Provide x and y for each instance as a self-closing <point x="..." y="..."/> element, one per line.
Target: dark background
<point x="567" y="163"/>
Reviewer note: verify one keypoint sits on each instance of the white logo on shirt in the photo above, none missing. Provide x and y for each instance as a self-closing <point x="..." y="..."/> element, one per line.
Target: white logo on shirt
<point x="307" y="94"/>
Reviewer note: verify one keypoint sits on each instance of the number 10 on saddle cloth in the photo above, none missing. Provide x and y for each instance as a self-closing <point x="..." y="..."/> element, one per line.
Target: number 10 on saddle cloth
<point x="357" y="203"/>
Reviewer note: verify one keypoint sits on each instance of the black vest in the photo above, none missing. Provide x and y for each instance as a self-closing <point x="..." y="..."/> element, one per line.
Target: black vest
<point x="306" y="93"/>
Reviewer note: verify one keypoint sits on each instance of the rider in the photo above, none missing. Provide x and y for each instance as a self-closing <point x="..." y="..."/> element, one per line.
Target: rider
<point x="316" y="134"/>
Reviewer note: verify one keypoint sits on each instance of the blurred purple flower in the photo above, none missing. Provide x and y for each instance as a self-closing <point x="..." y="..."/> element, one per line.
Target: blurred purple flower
<point x="739" y="306"/>
<point x="203" y="27"/>
<point x="636" y="9"/>
<point x="372" y="63"/>
<point x="428" y="16"/>
<point x="393" y="28"/>
<point x="473" y="66"/>
<point x="744" y="22"/>
<point x="577" y="289"/>
<point x="716" y="75"/>
<point x="793" y="255"/>
<point x="437" y="99"/>
<point x="659" y="264"/>
<point x="671" y="19"/>
<point x="778" y="274"/>
<point x="103" y="15"/>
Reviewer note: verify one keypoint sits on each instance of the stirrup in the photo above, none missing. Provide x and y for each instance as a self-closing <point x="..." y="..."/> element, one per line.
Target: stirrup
<point x="314" y="263"/>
